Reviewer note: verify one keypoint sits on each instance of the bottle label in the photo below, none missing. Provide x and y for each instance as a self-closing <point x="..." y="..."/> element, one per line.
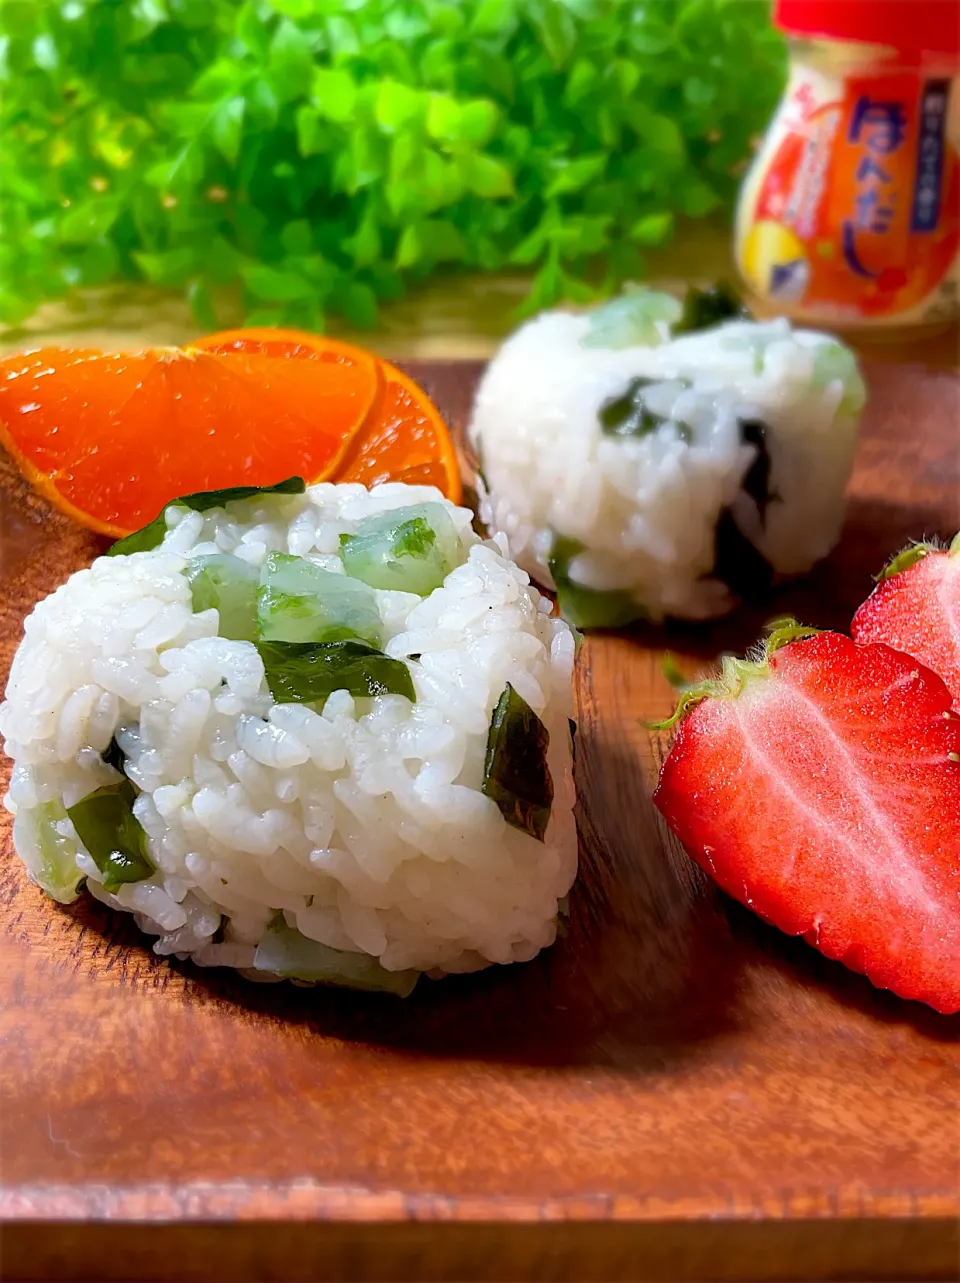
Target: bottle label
<point x="853" y="211"/>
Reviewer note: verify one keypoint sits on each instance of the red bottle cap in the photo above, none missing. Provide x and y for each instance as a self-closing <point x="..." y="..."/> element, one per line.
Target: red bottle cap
<point x="910" y="26"/>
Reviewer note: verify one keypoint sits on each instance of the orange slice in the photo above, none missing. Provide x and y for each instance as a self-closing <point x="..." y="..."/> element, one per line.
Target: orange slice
<point x="112" y="438"/>
<point x="403" y="439"/>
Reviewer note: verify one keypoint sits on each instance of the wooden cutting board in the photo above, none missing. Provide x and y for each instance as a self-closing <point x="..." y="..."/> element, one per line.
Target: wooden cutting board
<point x="674" y="1091"/>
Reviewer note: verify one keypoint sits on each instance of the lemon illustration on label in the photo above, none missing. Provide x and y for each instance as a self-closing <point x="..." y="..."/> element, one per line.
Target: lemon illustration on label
<point x="774" y="262"/>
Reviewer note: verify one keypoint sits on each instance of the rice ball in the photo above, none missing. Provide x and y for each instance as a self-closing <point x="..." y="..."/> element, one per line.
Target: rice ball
<point x="643" y="473"/>
<point x="321" y="736"/>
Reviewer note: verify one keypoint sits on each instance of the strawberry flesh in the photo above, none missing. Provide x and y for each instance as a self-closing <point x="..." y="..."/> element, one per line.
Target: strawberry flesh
<point x="918" y="611"/>
<point x="823" y="791"/>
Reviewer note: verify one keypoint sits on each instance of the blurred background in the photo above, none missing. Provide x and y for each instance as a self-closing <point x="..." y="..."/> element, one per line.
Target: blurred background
<point x="418" y="173"/>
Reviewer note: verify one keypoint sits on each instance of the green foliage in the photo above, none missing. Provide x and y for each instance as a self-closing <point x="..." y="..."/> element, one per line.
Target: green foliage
<point x="323" y="155"/>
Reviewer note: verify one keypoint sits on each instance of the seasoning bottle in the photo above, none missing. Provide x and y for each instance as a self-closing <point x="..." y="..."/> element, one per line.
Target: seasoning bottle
<point x="850" y="214"/>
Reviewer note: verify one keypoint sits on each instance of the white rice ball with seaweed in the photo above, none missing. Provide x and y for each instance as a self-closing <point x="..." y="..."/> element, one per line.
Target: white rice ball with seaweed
<point x="230" y="791"/>
<point x="646" y="475"/>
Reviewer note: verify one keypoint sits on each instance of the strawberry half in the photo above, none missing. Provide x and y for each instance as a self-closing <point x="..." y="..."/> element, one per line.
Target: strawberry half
<point x="916" y="608"/>
<point x="820" y="785"/>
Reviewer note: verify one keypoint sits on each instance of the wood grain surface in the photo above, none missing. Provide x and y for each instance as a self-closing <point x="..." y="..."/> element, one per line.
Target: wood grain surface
<point x="674" y="1091"/>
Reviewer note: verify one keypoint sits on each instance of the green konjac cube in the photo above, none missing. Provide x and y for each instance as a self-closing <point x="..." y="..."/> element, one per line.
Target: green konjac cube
<point x="409" y="549"/>
<point x="835" y="361"/>
<point x="54" y="864"/>
<point x="286" y="952"/>
<point x="638" y="316"/>
<point x="515" y="771"/>
<point x="587" y="607"/>
<point x="306" y="673"/>
<point x="229" y="585"/>
<point x="299" y="601"/>
<point x="112" y="835"/>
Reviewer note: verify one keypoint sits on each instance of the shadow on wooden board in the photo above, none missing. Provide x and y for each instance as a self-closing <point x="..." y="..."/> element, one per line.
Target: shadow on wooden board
<point x="421" y="1253"/>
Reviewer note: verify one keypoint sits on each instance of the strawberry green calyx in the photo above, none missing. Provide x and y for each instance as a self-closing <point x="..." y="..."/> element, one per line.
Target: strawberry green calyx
<point x="735" y="673"/>
<point x="954" y="550"/>
<point x="910" y="556"/>
<point x="673" y="675"/>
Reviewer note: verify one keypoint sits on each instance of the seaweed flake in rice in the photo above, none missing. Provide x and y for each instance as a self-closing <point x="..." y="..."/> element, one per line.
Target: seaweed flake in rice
<point x="645" y="466"/>
<point x="317" y="735"/>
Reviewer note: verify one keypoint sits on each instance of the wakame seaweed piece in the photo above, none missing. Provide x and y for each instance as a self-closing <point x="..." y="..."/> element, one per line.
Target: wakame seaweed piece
<point x="284" y="951"/>
<point x="703" y="309"/>
<point x="626" y="415"/>
<point x="307" y="672"/>
<point x="228" y="585"/>
<point x="515" y="771"/>
<point x="756" y="483"/>
<point x="740" y="565"/>
<point x="587" y="607"/>
<point x="113" y="755"/>
<point x="112" y="835"/>
<point x="151" y="535"/>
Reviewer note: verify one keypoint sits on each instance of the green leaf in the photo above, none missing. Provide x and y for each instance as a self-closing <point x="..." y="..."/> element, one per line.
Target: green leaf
<point x="151" y="127"/>
<point x="487" y="177"/>
<point x="89" y="221"/>
<point x="653" y="229"/>
<point x="365" y="245"/>
<point x="397" y="106"/>
<point x="581" y="82"/>
<point x="557" y="29"/>
<point x="359" y="305"/>
<point x="295" y="8"/>
<point x="334" y="93"/>
<point x="495" y="18"/>
<point x="443" y="118"/>
<point x="515" y="771"/>
<point x="274" y="286"/>
<point x="478" y="120"/>
<point x="575" y="174"/>
<point x="201" y="305"/>
<point x="169" y="267"/>
<point x="306" y="673"/>
<point x="697" y="198"/>
<point x="410" y="248"/>
<point x="443" y="241"/>
<point x="343" y="38"/>
<point x="291" y="60"/>
<point x="297" y="237"/>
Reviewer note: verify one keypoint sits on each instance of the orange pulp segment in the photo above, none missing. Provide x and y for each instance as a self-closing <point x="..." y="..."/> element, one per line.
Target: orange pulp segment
<point x="404" y="439"/>
<point x="112" y="438"/>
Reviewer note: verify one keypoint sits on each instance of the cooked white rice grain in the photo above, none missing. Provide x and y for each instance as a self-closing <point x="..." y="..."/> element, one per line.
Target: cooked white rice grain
<point x="641" y="512"/>
<point x="359" y="822"/>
